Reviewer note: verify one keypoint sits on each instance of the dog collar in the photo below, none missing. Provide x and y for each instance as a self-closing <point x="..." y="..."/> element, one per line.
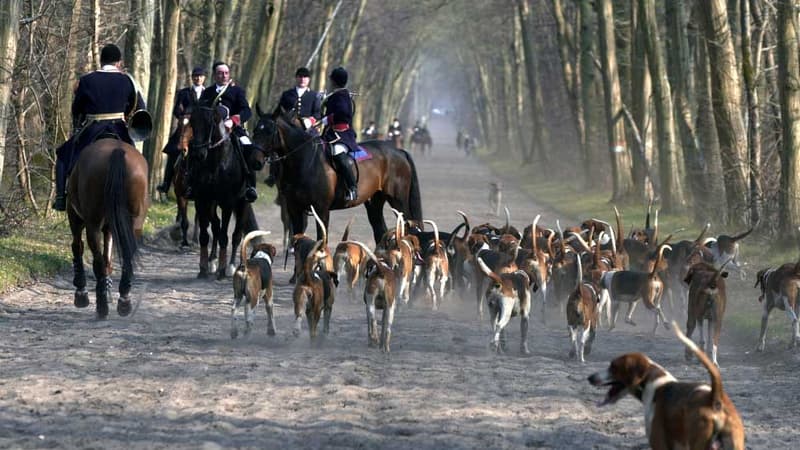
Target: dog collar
<point x="262" y="255"/>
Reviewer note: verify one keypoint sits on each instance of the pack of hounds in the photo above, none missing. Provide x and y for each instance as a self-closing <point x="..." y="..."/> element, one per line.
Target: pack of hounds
<point x="588" y="271"/>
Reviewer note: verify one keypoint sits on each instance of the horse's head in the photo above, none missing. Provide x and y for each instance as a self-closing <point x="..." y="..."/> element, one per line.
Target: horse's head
<point x="275" y="131"/>
<point x="205" y="122"/>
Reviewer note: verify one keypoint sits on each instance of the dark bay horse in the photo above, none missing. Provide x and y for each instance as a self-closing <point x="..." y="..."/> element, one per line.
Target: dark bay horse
<point x="307" y="179"/>
<point x="218" y="174"/>
<point x="108" y="198"/>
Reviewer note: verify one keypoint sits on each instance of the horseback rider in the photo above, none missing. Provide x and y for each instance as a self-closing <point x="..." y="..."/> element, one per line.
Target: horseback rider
<point x="338" y="132"/>
<point x="306" y="104"/>
<point x="185" y="99"/>
<point x="395" y="129"/>
<point x="371" y="132"/>
<point x="226" y="93"/>
<point x="103" y="99"/>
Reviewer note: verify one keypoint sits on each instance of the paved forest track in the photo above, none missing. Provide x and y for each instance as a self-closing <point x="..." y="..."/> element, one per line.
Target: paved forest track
<point x="171" y="377"/>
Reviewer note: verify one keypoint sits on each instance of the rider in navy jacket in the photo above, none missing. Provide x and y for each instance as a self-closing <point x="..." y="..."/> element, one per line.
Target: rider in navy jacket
<point x="185" y="100"/>
<point x="338" y="132"/>
<point x="305" y="103"/>
<point x="234" y="99"/>
<point x="103" y="100"/>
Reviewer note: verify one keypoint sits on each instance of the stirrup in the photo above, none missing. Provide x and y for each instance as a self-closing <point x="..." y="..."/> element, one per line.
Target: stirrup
<point x="351" y="195"/>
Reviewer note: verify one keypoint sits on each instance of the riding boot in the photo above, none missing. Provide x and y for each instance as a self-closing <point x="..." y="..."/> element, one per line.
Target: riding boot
<point x="342" y="161"/>
<point x="250" y="193"/>
<point x="60" y="202"/>
<point x="169" y="173"/>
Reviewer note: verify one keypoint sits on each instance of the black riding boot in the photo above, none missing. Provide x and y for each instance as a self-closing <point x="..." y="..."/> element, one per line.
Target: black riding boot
<point x="250" y="193"/>
<point x="169" y="173"/>
<point x="60" y="202"/>
<point x="342" y="160"/>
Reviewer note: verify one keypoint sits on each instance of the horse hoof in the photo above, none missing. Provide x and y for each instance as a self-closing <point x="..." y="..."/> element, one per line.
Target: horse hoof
<point x="271" y="332"/>
<point x="202" y="275"/>
<point x="81" y="299"/>
<point x="102" y="310"/>
<point x="234" y="333"/>
<point x="221" y="274"/>
<point x="124" y="307"/>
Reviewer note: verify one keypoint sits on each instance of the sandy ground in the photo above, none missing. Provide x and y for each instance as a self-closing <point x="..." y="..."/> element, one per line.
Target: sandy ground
<point x="171" y="377"/>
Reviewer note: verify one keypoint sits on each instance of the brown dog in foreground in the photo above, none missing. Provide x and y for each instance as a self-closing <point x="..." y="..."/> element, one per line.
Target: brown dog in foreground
<point x="677" y="414"/>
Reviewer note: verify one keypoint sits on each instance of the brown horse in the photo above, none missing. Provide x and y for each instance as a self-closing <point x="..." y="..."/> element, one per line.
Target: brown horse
<point x="107" y="197"/>
<point x="421" y="141"/>
<point x="307" y="178"/>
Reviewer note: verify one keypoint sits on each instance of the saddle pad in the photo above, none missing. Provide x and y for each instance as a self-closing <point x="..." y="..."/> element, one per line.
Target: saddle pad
<point x="361" y="154"/>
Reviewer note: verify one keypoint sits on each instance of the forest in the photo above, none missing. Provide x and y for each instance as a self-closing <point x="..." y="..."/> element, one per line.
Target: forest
<point x="692" y="103"/>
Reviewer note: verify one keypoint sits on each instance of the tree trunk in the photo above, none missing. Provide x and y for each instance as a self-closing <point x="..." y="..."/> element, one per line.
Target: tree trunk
<point x="640" y="100"/>
<point x="532" y="74"/>
<point x="566" y="51"/>
<point x="139" y="38"/>
<point x="222" y="35"/>
<point x="750" y="75"/>
<point x="163" y="107"/>
<point x="789" y="85"/>
<point x="351" y="36"/>
<point x="615" y="125"/>
<point x="725" y="91"/>
<point x="587" y="86"/>
<point x="260" y="55"/>
<point x="707" y="139"/>
<point x="679" y="70"/>
<point x="669" y="165"/>
<point x="265" y="89"/>
<point x="9" y="32"/>
<point x="96" y="11"/>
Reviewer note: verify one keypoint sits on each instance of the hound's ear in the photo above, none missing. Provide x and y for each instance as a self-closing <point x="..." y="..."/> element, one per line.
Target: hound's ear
<point x="272" y="250"/>
<point x="724" y="274"/>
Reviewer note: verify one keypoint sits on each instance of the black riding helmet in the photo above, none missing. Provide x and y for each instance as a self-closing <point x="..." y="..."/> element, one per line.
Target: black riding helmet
<point x="339" y="76"/>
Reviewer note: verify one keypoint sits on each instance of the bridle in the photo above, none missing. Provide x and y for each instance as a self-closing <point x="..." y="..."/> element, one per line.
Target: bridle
<point x="277" y="138"/>
<point x="208" y="145"/>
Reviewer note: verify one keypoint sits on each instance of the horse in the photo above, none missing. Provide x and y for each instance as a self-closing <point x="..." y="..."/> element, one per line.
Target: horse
<point x="421" y="139"/>
<point x="396" y="139"/>
<point x="108" y="198"/>
<point x="308" y="179"/>
<point x="219" y="179"/>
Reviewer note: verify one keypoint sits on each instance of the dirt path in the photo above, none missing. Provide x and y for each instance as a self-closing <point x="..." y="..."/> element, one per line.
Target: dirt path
<point x="171" y="377"/>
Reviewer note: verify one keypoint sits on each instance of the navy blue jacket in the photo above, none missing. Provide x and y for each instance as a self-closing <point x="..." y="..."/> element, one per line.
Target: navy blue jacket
<point x="185" y="99"/>
<point x="339" y="111"/>
<point x="233" y="98"/>
<point x="309" y="105"/>
<point x="103" y="92"/>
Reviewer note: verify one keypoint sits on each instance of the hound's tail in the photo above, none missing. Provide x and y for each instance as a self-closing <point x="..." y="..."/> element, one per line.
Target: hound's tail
<point x="713" y="370"/>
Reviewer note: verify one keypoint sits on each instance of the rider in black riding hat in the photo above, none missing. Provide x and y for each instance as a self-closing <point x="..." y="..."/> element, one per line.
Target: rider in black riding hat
<point x="185" y="99"/>
<point x="395" y="129"/>
<point x="233" y="97"/>
<point x="338" y="132"/>
<point x="307" y="105"/>
<point x="103" y="99"/>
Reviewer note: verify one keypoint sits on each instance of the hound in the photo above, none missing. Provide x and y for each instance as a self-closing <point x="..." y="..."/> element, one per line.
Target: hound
<point x="436" y="267"/>
<point x="678" y="414"/>
<point x="506" y="297"/>
<point x="379" y="293"/>
<point x="252" y="280"/>
<point x="313" y="294"/>
<point x="780" y="288"/>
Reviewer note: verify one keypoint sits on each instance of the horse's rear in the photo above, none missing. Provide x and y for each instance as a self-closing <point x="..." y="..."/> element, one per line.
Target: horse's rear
<point x="108" y="198"/>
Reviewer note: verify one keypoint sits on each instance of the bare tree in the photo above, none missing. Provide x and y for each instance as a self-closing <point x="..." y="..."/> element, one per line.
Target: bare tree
<point x="726" y="96"/>
<point x="789" y="74"/>
<point x="9" y="32"/>
<point x="615" y="126"/>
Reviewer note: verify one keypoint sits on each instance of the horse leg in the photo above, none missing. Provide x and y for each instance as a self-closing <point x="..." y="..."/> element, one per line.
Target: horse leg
<point x="203" y="216"/>
<point x="99" y="267"/>
<point x="375" y="215"/>
<point x="76" y="225"/>
<point x="215" y="233"/>
<point x="183" y="218"/>
<point x="223" y="243"/>
<point x="236" y="237"/>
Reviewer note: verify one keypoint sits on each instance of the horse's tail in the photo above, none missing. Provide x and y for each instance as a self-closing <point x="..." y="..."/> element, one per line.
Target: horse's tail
<point x="414" y="197"/>
<point x="118" y="216"/>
